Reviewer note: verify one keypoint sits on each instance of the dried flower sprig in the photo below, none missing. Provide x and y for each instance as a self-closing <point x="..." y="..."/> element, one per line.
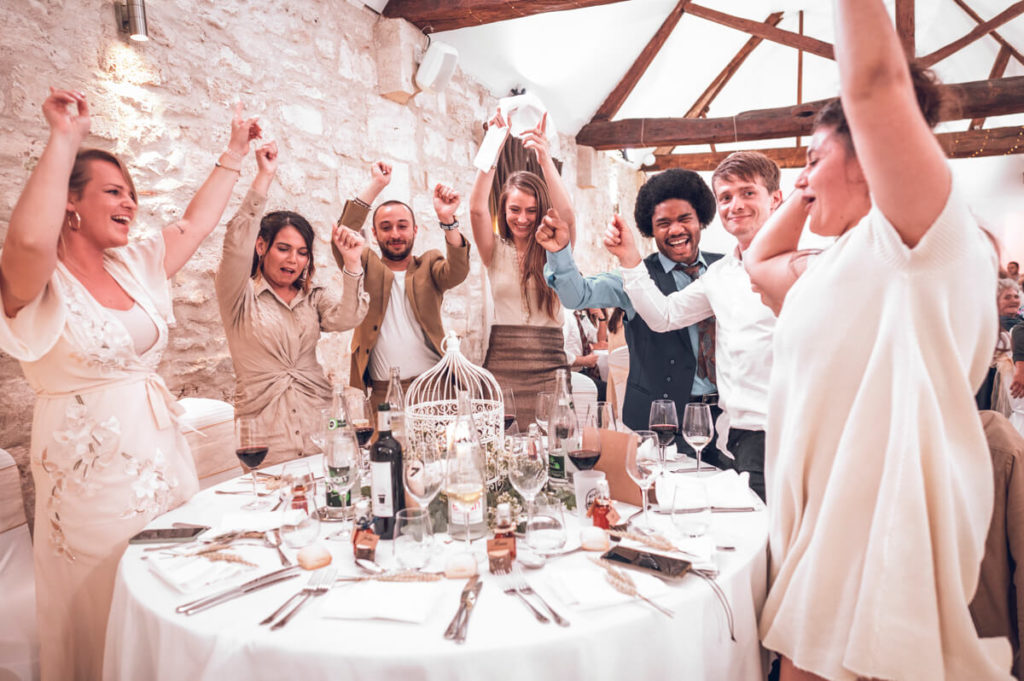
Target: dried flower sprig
<point x="227" y="558"/>
<point x="624" y="584"/>
<point x="655" y="541"/>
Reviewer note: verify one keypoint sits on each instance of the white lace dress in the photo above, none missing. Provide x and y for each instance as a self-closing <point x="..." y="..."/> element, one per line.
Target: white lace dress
<point x="107" y="455"/>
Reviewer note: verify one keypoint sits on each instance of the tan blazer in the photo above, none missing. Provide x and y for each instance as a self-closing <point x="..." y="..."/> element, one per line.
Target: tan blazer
<point x="998" y="605"/>
<point x="428" y="277"/>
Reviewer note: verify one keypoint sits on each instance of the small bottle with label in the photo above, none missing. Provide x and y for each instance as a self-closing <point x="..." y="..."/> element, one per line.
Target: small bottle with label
<point x="601" y="511"/>
<point x="504" y="528"/>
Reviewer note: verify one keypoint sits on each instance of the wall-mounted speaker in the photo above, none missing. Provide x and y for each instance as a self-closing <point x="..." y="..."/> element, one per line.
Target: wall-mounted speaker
<point x="437" y="66"/>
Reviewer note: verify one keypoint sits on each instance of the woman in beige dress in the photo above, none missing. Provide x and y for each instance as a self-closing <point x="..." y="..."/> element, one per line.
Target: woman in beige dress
<point x="273" y="314"/>
<point x="526" y="342"/>
<point x="86" y="313"/>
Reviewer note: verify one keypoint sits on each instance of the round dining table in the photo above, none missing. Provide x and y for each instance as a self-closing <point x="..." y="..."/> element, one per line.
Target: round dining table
<point x="710" y="635"/>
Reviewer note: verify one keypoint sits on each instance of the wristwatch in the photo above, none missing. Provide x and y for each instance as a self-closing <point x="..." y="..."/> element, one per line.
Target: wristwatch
<point x="454" y="225"/>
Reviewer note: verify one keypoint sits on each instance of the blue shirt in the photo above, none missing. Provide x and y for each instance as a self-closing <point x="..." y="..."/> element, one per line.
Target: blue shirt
<point x="605" y="290"/>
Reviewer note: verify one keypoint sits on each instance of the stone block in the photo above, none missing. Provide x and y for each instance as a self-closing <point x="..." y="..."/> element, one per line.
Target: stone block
<point x="397" y="44"/>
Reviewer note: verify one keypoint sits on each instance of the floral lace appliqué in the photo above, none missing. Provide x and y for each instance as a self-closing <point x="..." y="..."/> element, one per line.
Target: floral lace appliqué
<point x="151" y="489"/>
<point x="102" y="342"/>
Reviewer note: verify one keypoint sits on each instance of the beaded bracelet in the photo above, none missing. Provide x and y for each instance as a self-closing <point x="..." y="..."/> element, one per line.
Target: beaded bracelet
<point x="221" y="165"/>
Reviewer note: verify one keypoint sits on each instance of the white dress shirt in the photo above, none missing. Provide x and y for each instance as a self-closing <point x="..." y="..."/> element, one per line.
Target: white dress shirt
<point x="743" y="341"/>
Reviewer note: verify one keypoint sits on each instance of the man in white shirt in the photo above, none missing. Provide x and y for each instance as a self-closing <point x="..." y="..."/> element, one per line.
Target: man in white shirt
<point x="746" y="187"/>
<point x="403" y="325"/>
<point x="582" y="339"/>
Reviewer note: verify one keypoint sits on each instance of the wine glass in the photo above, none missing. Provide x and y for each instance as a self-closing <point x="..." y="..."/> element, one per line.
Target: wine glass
<point x="545" y="531"/>
<point x="691" y="510"/>
<point x="360" y="415"/>
<point x="527" y="469"/>
<point x="586" y="456"/>
<point x="412" y="543"/>
<point x="643" y="463"/>
<point x="300" y="525"/>
<point x="251" y="448"/>
<point x="341" y="468"/>
<point x="423" y="473"/>
<point x="605" y="415"/>
<point x="318" y="428"/>
<point x="465" y="481"/>
<point x="543" y="410"/>
<point x="698" y="429"/>
<point x="509" y="398"/>
<point x="665" y="422"/>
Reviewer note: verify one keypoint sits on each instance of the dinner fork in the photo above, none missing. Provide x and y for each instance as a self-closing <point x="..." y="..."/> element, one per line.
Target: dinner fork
<point x="522" y="586"/>
<point x="510" y="588"/>
<point x="319" y="584"/>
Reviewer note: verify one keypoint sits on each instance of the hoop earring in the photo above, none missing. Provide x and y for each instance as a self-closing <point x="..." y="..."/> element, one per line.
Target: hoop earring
<point x="77" y="224"/>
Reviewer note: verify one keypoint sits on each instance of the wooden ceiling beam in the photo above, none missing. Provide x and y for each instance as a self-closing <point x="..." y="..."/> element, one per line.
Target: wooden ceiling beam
<point x="998" y="69"/>
<point x="995" y="34"/>
<point x="977" y="99"/>
<point x="905" y="26"/>
<point x="618" y="96"/>
<point x="700" y="107"/>
<point x="446" y="15"/>
<point x="969" y="144"/>
<point x="979" y="31"/>
<point x="757" y="28"/>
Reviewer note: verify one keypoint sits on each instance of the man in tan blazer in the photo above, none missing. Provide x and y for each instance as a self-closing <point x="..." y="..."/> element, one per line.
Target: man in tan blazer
<point x="403" y="325"/>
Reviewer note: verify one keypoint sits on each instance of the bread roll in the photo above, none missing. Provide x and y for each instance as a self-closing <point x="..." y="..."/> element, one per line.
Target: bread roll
<point x="314" y="556"/>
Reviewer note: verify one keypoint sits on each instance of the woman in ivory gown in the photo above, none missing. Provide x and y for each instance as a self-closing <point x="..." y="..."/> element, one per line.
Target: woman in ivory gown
<point x="86" y="313"/>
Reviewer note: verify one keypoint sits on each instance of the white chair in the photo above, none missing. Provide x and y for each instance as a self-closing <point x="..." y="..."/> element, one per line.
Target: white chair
<point x="618" y="374"/>
<point x="19" y="640"/>
<point x="210" y="432"/>
<point x="584" y="393"/>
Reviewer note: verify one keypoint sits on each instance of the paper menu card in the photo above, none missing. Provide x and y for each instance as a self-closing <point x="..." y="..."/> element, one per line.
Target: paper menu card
<point x="523" y="112"/>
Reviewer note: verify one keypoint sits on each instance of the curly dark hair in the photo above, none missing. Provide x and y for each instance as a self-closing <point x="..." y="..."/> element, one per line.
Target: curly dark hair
<point x="932" y="100"/>
<point x="270" y="225"/>
<point x="675" y="183"/>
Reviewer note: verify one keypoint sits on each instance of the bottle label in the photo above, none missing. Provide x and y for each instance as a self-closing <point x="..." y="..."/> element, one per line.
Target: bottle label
<point x="556" y="465"/>
<point x="383" y="421"/>
<point x="457" y="513"/>
<point x="380" y="489"/>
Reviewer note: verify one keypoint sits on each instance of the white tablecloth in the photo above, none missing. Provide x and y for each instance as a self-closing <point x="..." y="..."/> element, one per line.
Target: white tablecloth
<point x="146" y="639"/>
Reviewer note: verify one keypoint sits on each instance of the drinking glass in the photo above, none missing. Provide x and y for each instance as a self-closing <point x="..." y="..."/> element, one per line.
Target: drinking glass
<point x="300" y="521"/>
<point x="698" y="429"/>
<point x="643" y="464"/>
<point x="341" y="468"/>
<point x="527" y="469"/>
<point x="586" y="456"/>
<point x="318" y="427"/>
<point x="545" y="531"/>
<point x="251" y="448"/>
<point x="691" y="510"/>
<point x="423" y="473"/>
<point x="605" y="415"/>
<point x="360" y="415"/>
<point x="665" y="422"/>
<point x="543" y="410"/>
<point x="412" y="544"/>
<point x="509" y="398"/>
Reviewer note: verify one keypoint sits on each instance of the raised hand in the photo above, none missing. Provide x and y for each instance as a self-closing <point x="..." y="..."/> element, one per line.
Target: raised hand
<point x="243" y="131"/>
<point x="266" y="159"/>
<point x="63" y="120"/>
<point x="553" y="232"/>
<point x="380" y="175"/>
<point x="618" y="239"/>
<point x="350" y="244"/>
<point x="537" y="139"/>
<point x="446" y="203"/>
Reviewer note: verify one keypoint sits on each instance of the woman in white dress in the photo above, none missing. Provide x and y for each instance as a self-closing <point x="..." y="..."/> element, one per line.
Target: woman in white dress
<point x="86" y="313"/>
<point x="878" y="474"/>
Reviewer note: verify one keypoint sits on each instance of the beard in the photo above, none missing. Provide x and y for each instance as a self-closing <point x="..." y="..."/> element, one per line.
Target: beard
<point x="391" y="254"/>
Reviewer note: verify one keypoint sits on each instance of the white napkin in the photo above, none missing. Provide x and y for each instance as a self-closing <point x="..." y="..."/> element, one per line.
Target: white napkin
<point x="247" y="521"/>
<point x="399" y="601"/>
<point x="191" y="573"/>
<point x="726" y="490"/>
<point x="586" y="587"/>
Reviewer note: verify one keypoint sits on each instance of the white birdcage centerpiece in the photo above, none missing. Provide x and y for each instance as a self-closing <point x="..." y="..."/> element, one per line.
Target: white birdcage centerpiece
<point x="432" y="405"/>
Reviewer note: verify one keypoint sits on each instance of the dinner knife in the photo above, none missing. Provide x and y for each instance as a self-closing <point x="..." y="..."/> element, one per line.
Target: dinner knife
<point x="453" y="627"/>
<point x="469" y="601"/>
<point x="263" y="580"/>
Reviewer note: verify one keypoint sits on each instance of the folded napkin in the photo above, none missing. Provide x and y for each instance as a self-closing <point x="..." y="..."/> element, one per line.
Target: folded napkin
<point x="585" y="587"/>
<point x="700" y="551"/>
<point x="246" y="521"/>
<point x="399" y="601"/>
<point x="725" y="490"/>
<point x="188" y="573"/>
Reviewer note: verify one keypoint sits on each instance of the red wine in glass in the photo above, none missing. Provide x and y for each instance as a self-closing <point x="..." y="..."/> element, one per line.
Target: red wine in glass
<point x="666" y="433"/>
<point x="251" y="457"/>
<point x="364" y="434"/>
<point x="584" y="459"/>
<point x="509" y="420"/>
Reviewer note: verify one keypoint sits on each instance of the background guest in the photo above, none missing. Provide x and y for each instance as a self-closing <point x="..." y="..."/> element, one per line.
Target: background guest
<point x="1008" y="303"/>
<point x="273" y="314"/>
<point x="86" y="313"/>
<point x="581" y="342"/>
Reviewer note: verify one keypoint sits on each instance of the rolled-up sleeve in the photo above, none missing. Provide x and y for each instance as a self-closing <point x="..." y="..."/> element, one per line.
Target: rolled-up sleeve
<point x="341" y="313"/>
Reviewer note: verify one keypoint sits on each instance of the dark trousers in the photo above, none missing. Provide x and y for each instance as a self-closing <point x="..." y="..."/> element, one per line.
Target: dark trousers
<point x="747" y="446"/>
<point x="710" y="454"/>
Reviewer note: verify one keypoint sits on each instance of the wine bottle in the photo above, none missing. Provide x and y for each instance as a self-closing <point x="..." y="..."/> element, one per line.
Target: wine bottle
<point x="338" y="421"/>
<point x="387" y="490"/>
<point x="562" y="427"/>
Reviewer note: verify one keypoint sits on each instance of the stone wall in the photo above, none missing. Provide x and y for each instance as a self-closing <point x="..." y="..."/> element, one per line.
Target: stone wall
<point x="311" y="72"/>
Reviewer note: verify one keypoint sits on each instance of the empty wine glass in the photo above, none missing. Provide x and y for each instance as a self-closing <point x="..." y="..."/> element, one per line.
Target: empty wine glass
<point x="543" y="410"/>
<point x="318" y="426"/>
<point x="527" y="468"/>
<point x="643" y="464"/>
<point x="665" y="422"/>
<point x="300" y="523"/>
<point x="341" y="469"/>
<point x="412" y="543"/>
<point x="545" y="530"/>
<point x="423" y="473"/>
<point x="509" y="398"/>
<point x="251" y="449"/>
<point x="698" y="429"/>
<point x="691" y="511"/>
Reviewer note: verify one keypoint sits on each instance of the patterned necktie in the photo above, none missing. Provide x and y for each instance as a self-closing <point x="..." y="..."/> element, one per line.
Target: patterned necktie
<point x="705" y="332"/>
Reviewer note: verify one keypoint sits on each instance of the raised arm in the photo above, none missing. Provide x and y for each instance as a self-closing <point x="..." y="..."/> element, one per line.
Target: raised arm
<point x="207" y="206"/>
<point x="537" y="140"/>
<point x="773" y="260"/>
<point x="30" y="249"/>
<point x="904" y="165"/>
<point x="479" y="211"/>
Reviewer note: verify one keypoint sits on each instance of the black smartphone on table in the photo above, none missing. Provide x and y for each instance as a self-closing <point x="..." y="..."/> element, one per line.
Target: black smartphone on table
<point x="656" y="564"/>
<point x="168" y="535"/>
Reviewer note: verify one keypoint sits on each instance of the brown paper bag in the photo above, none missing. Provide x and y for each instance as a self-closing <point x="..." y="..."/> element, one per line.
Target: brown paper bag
<point x="614" y="446"/>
